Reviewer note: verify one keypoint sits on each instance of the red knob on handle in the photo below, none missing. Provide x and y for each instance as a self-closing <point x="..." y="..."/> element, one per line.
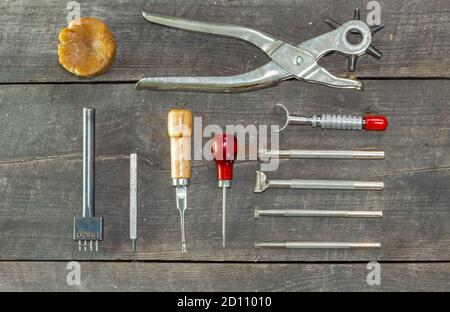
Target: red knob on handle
<point x="224" y="150"/>
<point x="375" y="123"/>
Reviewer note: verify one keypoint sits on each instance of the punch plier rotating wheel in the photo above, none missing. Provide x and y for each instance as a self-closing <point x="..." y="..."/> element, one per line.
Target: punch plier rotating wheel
<point x="287" y="61"/>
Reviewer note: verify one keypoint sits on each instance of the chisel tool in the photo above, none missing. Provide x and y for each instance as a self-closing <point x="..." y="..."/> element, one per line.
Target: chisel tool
<point x="179" y="126"/>
<point x="224" y="150"/>
<point x="88" y="229"/>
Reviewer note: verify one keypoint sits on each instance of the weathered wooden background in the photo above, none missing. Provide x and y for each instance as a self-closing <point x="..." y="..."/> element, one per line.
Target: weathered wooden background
<point x="40" y="152"/>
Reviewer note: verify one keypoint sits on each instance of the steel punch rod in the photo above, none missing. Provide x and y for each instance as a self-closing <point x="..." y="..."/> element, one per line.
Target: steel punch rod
<point x="88" y="229"/>
<point x="88" y="162"/>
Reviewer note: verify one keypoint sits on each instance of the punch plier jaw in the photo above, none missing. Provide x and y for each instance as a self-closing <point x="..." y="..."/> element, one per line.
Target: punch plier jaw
<point x="287" y="61"/>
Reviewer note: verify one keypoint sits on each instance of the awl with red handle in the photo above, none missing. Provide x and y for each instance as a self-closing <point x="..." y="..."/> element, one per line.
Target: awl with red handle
<point x="224" y="150"/>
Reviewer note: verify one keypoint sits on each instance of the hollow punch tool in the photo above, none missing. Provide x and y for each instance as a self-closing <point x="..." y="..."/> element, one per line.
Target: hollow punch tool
<point x="262" y="184"/>
<point x="179" y="125"/>
<point x="88" y="228"/>
<point x="287" y="61"/>
<point x="336" y="122"/>
<point x="224" y="151"/>
<point x="266" y="155"/>
<point x="317" y="245"/>
<point x="133" y="200"/>
<point x="316" y="213"/>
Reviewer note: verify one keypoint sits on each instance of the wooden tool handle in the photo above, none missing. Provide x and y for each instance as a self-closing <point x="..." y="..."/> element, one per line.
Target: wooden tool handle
<point x="179" y="126"/>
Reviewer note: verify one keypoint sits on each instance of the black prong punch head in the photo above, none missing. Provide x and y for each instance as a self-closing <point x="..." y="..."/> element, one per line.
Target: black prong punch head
<point x="87" y="231"/>
<point x="371" y="50"/>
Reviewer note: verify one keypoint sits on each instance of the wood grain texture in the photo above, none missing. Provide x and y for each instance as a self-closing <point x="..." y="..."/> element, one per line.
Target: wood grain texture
<point x="163" y="277"/>
<point x="40" y="152"/>
<point x="415" y="41"/>
<point x="179" y="124"/>
<point x="40" y="164"/>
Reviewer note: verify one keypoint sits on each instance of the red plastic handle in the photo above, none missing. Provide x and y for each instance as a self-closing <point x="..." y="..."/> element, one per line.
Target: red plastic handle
<point x="375" y="123"/>
<point x="224" y="150"/>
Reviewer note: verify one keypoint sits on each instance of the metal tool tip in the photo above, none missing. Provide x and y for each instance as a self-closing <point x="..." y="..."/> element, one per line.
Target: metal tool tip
<point x="356" y="14"/>
<point x="133" y="245"/>
<point x="352" y="63"/>
<point x="137" y="86"/>
<point x="256" y="212"/>
<point x="371" y="50"/>
<point x="261" y="182"/>
<point x="376" y="28"/>
<point x="332" y="23"/>
<point x="286" y="112"/>
<point x="360" y="86"/>
<point x="183" y="247"/>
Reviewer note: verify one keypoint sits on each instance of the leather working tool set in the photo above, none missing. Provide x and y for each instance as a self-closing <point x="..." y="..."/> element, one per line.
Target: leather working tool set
<point x="287" y="62"/>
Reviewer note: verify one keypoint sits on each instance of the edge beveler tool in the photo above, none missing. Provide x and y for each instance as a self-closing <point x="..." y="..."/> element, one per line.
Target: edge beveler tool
<point x="262" y="184"/>
<point x="287" y="61"/>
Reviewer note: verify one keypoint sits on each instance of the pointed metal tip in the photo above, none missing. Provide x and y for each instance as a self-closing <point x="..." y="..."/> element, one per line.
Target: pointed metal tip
<point x="133" y="245"/>
<point x="332" y="23"/>
<point x="371" y="50"/>
<point x="224" y="201"/>
<point x="356" y="14"/>
<point x="376" y="28"/>
<point x="183" y="248"/>
<point x="352" y="63"/>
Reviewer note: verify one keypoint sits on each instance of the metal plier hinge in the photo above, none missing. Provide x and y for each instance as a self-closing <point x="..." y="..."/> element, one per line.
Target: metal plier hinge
<point x="287" y="61"/>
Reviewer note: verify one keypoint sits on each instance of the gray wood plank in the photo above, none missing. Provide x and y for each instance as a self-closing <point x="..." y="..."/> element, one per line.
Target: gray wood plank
<point x="414" y="41"/>
<point x="40" y="173"/>
<point x="111" y="276"/>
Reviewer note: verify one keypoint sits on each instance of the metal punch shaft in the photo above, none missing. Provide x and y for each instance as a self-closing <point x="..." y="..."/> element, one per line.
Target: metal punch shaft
<point x="88" y="162"/>
<point x="317" y="245"/>
<point x="133" y="201"/>
<point x="266" y="155"/>
<point x="317" y="213"/>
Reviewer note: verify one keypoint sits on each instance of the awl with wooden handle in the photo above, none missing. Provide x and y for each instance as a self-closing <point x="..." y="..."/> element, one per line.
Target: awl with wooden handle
<point x="179" y="126"/>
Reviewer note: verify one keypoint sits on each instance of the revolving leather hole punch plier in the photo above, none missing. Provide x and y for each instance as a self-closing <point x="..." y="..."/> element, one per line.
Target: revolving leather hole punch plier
<point x="287" y="61"/>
